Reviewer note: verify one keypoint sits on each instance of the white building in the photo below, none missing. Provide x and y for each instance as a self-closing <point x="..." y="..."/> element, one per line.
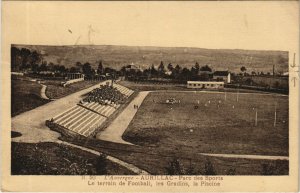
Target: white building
<point x="205" y="84"/>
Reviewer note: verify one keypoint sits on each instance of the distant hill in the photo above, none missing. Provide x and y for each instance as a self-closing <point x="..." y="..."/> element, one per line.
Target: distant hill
<point x="117" y="56"/>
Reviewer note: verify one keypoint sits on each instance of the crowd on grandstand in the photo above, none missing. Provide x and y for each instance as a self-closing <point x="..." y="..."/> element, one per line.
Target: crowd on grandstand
<point x="105" y="95"/>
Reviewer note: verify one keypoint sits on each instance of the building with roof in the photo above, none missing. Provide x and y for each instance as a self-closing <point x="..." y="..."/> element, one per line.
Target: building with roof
<point x="222" y="76"/>
<point x="205" y="84"/>
<point x="132" y="67"/>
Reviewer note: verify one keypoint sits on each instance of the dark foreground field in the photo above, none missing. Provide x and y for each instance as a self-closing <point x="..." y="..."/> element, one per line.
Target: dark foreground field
<point x="25" y="95"/>
<point x="209" y="129"/>
<point x="56" y="159"/>
<point x="162" y="161"/>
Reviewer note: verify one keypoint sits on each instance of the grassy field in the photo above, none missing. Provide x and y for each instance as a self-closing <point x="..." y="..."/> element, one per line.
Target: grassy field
<point x="56" y="159"/>
<point x="209" y="129"/>
<point x="25" y="95"/>
<point x="55" y="90"/>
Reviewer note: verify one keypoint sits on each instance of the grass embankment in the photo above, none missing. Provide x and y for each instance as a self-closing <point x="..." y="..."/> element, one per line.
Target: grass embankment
<point x="55" y="90"/>
<point x="57" y="159"/>
<point x="25" y="95"/>
<point x="227" y="129"/>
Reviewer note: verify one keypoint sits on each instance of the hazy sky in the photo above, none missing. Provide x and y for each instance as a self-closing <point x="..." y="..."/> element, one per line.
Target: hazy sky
<point x="234" y="25"/>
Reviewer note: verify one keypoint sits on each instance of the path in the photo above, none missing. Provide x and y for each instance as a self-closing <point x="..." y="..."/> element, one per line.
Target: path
<point x="43" y="92"/>
<point x="118" y="126"/>
<point x="31" y="124"/>
<point x="128" y="166"/>
<point x="261" y="157"/>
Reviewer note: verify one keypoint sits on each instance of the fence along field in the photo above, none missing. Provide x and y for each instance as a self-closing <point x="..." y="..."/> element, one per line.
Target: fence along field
<point x="241" y="124"/>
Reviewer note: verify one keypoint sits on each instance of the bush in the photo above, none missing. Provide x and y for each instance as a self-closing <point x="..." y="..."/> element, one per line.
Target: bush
<point x="174" y="167"/>
<point x="209" y="168"/>
<point x="101" y="165"/>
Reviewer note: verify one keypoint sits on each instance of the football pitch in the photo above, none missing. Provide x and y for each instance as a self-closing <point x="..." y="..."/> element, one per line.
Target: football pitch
<point x="218" y="123"/>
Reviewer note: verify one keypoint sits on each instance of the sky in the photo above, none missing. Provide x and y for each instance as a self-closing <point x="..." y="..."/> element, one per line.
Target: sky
<point x="232" y="25"/>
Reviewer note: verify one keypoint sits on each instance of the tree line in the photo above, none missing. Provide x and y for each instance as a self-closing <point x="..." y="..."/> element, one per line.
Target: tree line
<point x="171" y="72"/>
<point x="26" y="60"/>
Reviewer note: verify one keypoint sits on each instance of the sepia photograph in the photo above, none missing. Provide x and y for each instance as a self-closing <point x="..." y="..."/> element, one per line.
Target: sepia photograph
<point x="162" y="110"/>
<point x="151" y="94"/>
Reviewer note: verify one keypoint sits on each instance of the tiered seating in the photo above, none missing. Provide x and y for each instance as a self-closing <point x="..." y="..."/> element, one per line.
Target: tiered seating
<point x="105" y="110"/>
<point x="80" y="119"/>
<point x="85" y="117"/>
<point x="124" y="90"/>
<point x="105" y="95"/>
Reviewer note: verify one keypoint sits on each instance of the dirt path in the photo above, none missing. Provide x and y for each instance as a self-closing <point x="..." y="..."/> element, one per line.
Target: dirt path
<point x="116" y="129"/>
<point x="43" y="92"/>
<point x="129" y="166"/>
<point x="261" y="157"/>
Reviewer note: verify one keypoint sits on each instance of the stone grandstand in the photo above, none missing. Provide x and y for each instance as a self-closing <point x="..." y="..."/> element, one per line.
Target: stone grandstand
<point x="88" y="115"/>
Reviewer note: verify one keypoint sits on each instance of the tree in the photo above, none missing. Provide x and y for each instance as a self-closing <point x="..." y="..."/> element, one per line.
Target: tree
<point x="16" y="59"/>
<point x="147" y="72"/>
<point x="78" y="64"/>
<point x="87" y="70"/>
<point x="176" y="72"/>
<point x="205" y="68"/>
<point x="170" y="67"/>
<point x="197" y="66"/>
<point x="51" y="66"/>
<point x="34" y="67"/>
<point x="243" y="69"/>
<point x="185" y="74"/>
<point x="35" y="58"/>
<point x="194" y="71"/>
<point x="74" y="69"/>
<point x="100" y="68"/>
<point x="177" y="69"/>
<point x="153" y="71"/>
<point x="44" y="66"/>
<point x="62" y="69"/>
<point x="25" y="53"/>
<point x="161" y="68"/>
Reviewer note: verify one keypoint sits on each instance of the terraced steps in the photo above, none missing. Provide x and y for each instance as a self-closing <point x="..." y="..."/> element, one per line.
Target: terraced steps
<point x="85" y="118"/>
